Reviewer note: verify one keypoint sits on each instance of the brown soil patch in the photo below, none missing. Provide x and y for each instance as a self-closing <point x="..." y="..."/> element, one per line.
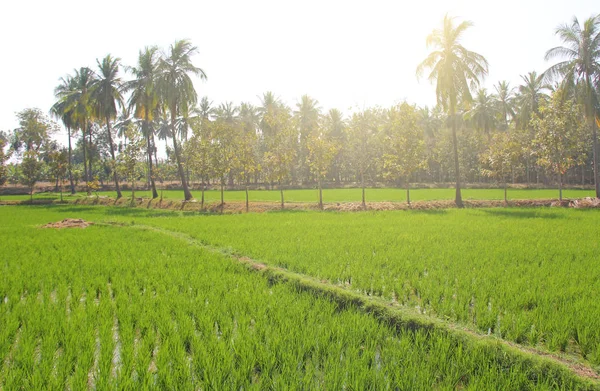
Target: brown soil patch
<point x="69" y="223"/>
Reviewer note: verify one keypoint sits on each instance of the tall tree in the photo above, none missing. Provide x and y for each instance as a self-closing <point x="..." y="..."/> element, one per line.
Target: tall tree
<point x="335" y="128"/>
<point x="144" y="101"/>
<point x="362" y="135"/>
<point x="321" y="151"/>
<point x="31" y="169"/>
<point x="4" y="156"/>
<point x="483" y="112"/>
<point x="502" y="158"/>
<point x="404" y="145"/>
<point x="177" y="91"/>
<point x="78" y="100"/>
<point x="307" y="116"/>
<point x="106" y="95"/>
<point x="505" y="101"/>
<point x="60" y="110"/>
<point x="531" y="94"/>
<point x="34" y="131"/>
<point x="581" y="67"/>
<point x="559" y="139"/>
<point x="455" y="70"/>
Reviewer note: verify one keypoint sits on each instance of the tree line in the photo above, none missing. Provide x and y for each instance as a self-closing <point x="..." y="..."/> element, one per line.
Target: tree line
<point x="544" y="129"/>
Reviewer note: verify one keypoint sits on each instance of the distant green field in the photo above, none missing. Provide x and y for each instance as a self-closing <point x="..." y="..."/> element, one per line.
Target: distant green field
<point x="114" y="307"/>
<point x="344" y="195"/>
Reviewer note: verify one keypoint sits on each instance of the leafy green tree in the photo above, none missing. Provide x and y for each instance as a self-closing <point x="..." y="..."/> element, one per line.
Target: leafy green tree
<point x="502" y="158"/>
<point x="581" y="67"/>
<point x="321" y="152"/>
<point x="59" y="163"/>
<point x="31" y="169"/>
<point x="130" y="160"/>
<point x="559" y="136"/>
<point x="34" y="131"/>
<point x="223" y="150"/>
<point x="106" y="95"/>
<point x="280" y="153"/>
<point x="246" y="157"/>
<point x="176" y="90"/>
<point x="306" y="116"/>
<point x="4" y="156"/>
<point x="455" y="69"/>
<point x="335" y="129"/>
<point x="404" y="145"/>
<point x="198" y="150"/>
<point x="362" y="139"/>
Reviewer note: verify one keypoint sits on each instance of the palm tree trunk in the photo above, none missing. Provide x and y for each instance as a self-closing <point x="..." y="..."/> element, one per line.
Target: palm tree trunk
<point x="186" y="191"/>
<point x="85" y="163"/>
<point x="595" y="163"/>
<point x="458" y="199"/>
<point x="408" y="192"/>
<point x="112" y="155"/>
<point x="149" y="151"/>
<point x="70" y="160"/>
<point x="90" y="143"/>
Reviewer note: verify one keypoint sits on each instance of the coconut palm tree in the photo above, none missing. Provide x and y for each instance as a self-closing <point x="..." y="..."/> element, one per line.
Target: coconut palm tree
<point x="580" y="67"/>
<point x="78" y="100"/>
<point x="531" y="94"/>
<point x="505" y="101"/>
<point x="335" y="126"/>
<point x="60" y="111"/>
<point x="456" y="70"/>
<point x="144" y="100"/>
<point x="205" y="108"/>
<point x="106" y="95"/>
<point x="176" y="89"/>
<point x="483" y="112"/>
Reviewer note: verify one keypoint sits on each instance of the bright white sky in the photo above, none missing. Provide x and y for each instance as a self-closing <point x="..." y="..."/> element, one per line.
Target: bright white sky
<point x="346" y="54"/>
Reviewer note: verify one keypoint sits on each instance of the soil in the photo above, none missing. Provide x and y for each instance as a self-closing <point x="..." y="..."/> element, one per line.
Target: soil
<point x="69" y="223"/>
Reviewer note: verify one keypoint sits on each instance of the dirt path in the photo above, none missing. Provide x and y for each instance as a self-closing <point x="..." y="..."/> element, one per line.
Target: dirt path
<point x="385" y="310"/>
<point x="259" y="207"/>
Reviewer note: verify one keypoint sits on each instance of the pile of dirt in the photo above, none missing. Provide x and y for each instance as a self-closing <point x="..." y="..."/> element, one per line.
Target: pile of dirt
<point x="587" y="202"/>
<point x="69" y="223"/>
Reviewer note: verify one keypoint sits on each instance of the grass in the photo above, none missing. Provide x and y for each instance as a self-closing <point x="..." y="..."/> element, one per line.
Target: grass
<point x="531" y="276"/>
<point x="115" y="307"/>
<point x="342" y="195"/>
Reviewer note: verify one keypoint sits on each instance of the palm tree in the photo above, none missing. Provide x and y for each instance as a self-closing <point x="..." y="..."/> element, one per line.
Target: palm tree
<point x="336" y="126"/>
<point x="483" y="113"/>
<point x="144" y="100"/>
<point x="581" y="68"/>
<point x="505" y="101"/>
<point x="78" y="100"/>
<point x="106" y="95"/>
<point x="177" y="91"/>
<point x="60" y="111"/>
<point x="456" y="70"/>
<point x="531" y="94"/>
<point x="205" y="108"/>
